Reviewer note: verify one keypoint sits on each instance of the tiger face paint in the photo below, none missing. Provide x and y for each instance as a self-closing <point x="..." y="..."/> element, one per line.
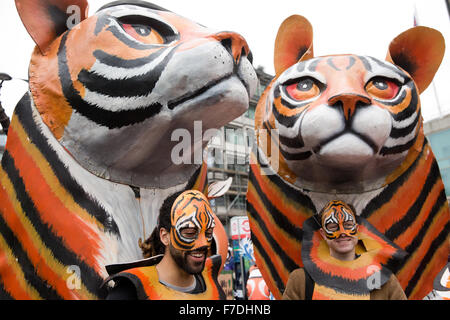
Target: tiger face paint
<point x="338" y="219"/>
<point x="192" y="221"/>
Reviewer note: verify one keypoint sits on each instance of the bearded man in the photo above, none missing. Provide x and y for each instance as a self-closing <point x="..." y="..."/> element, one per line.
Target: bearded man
<point x="179" y="266"/>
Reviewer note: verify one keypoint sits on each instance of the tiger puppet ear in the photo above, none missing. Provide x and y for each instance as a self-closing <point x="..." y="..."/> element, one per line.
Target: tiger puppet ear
<point x="418" y="51"/>
<point x="46" y="20"/>
<point x="294" y="42"/>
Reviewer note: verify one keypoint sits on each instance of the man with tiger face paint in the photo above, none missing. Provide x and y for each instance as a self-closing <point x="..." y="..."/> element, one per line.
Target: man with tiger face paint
<point x="179" y="265"/>
<point x="339" y="229"/>
<point x="191" y="232"/>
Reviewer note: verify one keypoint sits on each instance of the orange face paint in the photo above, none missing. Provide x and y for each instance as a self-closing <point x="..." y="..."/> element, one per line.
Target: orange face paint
<point x="192" y="221"/>
<point x="338" y="219"/>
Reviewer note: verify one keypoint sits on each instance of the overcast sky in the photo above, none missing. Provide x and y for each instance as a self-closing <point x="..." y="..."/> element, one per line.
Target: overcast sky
<point x="363" y="27"/>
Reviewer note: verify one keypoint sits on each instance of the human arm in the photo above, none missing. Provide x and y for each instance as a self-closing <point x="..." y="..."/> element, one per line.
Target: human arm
<point x="295" y="286"/>
<point x="395" y="289"/>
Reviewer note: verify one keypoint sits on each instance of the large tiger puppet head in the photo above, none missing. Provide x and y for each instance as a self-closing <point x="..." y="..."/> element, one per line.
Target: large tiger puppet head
<point x="114" y="87"/>
<point x="347" y="127"/>
<point x="90" y="151"/>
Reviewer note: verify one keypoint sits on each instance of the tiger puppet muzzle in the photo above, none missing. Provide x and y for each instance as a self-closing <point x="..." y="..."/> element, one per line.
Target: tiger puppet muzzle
<point x="348" y="127"/>
<point x="88" y="155"/>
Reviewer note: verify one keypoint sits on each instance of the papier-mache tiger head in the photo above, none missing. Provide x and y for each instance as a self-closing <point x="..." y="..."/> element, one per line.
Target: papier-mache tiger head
<point x="114" y="87"/>
<point x="346" y="122"/>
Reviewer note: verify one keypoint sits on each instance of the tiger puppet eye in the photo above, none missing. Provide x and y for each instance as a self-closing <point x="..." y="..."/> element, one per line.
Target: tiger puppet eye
<point x="303" y="89"/>
<point x="142" y="29"/>
<point x="382" y="88"/>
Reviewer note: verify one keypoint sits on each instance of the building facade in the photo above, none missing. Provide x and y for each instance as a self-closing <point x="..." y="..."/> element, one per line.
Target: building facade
<point x="437" y="132"/>
<point x="228" y="156"/>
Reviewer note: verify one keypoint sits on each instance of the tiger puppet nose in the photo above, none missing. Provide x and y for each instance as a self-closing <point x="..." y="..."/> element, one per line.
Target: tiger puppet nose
<point x="235" y="44"/>
<point x="348" y="102"/>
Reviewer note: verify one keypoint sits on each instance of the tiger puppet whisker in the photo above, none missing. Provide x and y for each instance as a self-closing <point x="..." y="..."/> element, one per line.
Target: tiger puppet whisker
<point x="349" y="128"/>
<point x="88" y="155"/>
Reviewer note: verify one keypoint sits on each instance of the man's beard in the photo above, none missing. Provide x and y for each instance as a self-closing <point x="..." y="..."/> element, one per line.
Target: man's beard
<point x="181" y="259"/>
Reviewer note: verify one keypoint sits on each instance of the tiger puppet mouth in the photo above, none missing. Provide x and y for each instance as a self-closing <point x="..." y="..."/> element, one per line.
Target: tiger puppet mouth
<point x="128" y="79"/>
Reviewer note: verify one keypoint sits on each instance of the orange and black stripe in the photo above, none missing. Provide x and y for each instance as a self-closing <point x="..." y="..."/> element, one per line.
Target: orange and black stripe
<point x="36" y="183"/>
<point x="276" y="212"/>
<point x="421" y="224"/>
<point x="411" y="209"/>
<point x="38" y="245"/>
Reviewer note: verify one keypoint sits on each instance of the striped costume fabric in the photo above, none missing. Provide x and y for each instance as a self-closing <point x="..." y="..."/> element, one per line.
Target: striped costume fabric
<point x="349" y="280"/>
<point x="349" y="128"/>
<point x="48" y="220"/>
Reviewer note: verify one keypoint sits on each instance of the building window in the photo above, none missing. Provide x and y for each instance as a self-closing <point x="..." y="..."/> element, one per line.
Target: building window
<point x="215" y="158"/>
<point x="236" y="202"/>
<point x="250" y="113"/>
<point x="236" y="163"/>
<point x="234" y="135"/>
<point x="250" y="135"/>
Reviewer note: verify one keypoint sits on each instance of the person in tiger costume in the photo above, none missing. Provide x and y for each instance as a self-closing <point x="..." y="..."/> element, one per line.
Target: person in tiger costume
<point x="178" y="250"/>
<point x="348" y="127"/>
<point x="256" y="288"/>
<point x="91" y="152"/>
<point x="334" y="240"/>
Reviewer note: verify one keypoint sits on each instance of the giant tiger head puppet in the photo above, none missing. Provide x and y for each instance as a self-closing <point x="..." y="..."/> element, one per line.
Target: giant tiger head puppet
<point x="88" y="158"/>
<point x="348" y="127"/>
